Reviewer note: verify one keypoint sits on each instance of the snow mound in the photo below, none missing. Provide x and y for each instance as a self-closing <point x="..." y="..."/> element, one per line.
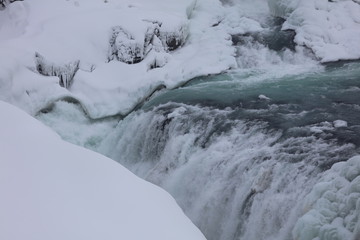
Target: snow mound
<point x="331" y="29"/>
<point x="109" y="55"/>
<point x="55" y="190"/>
<point x="332" y="209"/>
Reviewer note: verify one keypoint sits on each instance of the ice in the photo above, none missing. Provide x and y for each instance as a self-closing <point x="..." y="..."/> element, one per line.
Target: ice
<point x="331" y="209"/>
<point x="65" y="72"/>
<point x="55" y="190"/>
<point x="124" y="47"/>
<point x="331" y="29"/>
<point x="340" y="123"/>
<point x="263" y="97"/>
<point x="87" y="45"/>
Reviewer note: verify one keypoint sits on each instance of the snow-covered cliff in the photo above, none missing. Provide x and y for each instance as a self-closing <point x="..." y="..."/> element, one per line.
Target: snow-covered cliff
<point x="55" y="190"/>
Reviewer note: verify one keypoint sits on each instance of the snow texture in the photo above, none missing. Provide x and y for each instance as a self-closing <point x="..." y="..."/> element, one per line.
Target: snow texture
<point x="55" y="190"/>
<point x="65" y="72"/>
<point x="4" y="3"/>
<point x="332" y="208"/>
<point x="165" y="46"/>
<point x="331" y="29"/>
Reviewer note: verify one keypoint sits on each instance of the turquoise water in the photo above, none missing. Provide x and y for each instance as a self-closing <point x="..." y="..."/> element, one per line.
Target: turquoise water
<point x="287" y="102"/>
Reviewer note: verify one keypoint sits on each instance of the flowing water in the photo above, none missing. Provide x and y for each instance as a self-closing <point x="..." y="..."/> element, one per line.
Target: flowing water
<point x="239" y="151"/>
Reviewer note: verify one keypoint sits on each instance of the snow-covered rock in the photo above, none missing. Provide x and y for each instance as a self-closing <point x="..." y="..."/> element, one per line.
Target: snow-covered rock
<point x="124" y="47"/>
<point x="65" y="72"/>
<point x="332" y="208"/>
<point x="331" y="29"/>
<point x="4" y="3"/>
<point x="168" y="42"/>
<point x="51" y="189"/>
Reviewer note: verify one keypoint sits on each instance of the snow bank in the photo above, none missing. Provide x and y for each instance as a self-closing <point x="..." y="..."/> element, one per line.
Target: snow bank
<point x="121" y="50"/>
<point x="55" y="190"/>
<point x="332" y="209"/>
<point x="330" y="28"/>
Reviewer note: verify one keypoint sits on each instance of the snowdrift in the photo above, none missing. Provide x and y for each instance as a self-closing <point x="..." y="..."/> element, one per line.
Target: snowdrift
<point x="108" y="55"/>
<point x="55" y="190"/>
<point x="331" y="29"/>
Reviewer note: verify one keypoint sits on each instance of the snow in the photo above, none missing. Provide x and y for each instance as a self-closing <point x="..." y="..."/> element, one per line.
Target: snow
<point x="263" y="97"/>
<point x="340" y="123"/>
<point x="332" y="208"/>
<point x="55" y="190"/>
<point x="79" y="31"/>
<point x="174" y="41"/>
<point x="331" y="29"/>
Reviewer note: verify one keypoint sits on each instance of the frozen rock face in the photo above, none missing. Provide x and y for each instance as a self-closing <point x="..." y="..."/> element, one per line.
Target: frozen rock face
<point x="332" y="209"/>
<point x="4" y="3"/>
<point x="65" y="72"/>
<point x="175" y="38"/>
<point x="126" y="48"/>
<point x="331" y="29"/>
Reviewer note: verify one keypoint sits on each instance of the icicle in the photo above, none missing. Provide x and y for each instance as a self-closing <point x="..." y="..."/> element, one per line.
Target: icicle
<point x="65" y="72"/>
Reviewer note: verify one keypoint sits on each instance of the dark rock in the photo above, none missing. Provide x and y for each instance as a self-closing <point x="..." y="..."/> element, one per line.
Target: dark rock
<point x="4" y="3"/>
<point x="173" y="39"/>
<point x="276" y="40"/>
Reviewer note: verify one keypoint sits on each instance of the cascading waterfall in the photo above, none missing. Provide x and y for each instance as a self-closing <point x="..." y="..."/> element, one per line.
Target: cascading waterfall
<point x="242" y="151"/>
<point x="239" y="157"/>
<point x="232" y="177"/>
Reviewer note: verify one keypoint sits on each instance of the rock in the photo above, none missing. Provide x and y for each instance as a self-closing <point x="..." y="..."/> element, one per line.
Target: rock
<point x="4" y="3"/>
<point x="158" y="56"/>
<point x="65" y="72"/>
<point x="175" y="38"/>
<point x="124" y="47"/>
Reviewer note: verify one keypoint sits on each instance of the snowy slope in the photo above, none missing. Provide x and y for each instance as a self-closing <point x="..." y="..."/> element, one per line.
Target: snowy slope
<point x="51" y="189"/>
<point x="83" y="32"/>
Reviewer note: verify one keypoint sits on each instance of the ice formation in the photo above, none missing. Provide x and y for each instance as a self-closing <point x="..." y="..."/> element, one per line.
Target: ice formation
<point x="332" y="209"/>
<point x="65" y="72"/>
<point x="331" y="29"/>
